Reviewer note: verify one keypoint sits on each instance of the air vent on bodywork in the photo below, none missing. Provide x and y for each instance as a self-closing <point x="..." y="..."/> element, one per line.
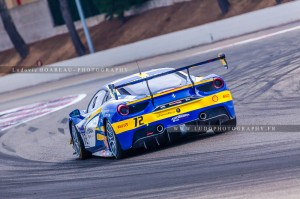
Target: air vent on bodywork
<point x="135" y="108"/>
<point x="206" y="87"/>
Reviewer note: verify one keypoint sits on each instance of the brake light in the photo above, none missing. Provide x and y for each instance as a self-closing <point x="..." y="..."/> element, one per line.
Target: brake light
<point x="123" y="109"/>
<point x="218" y="83"/>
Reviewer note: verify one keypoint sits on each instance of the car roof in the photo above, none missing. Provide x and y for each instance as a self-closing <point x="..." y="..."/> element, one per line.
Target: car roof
<point x="138" y="76"/>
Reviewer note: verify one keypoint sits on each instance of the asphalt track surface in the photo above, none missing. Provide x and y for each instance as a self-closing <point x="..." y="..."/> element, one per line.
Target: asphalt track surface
<point x="264" y="76"/>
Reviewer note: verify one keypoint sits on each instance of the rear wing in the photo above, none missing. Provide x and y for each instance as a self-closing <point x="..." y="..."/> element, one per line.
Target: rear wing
<point x="221" y="57"/>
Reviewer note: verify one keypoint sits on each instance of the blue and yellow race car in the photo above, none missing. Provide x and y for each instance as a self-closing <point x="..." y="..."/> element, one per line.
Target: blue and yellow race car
<point x="148" y="108"/>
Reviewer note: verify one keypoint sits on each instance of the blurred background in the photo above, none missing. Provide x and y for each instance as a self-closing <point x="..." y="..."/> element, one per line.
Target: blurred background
<point x="39" y="32"/>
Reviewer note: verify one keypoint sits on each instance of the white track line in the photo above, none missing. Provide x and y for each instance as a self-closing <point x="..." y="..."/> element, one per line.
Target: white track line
<point x="77" y="99"/>
<point x="248" y="40"/>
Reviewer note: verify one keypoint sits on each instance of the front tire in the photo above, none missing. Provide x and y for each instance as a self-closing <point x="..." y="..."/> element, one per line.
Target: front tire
<point x="78" y="145"/>
<point x="113" y="142"/>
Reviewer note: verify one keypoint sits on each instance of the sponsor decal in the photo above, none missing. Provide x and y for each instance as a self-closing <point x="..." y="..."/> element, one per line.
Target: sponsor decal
<point x="227" y="95"/>
<point x="165" y="113"/>
<point x="215" y="98"/>
<point x="122" y="125"/>
<point x="176" y="102"/>
<point x="180" y="117"/>
<point x="178" y="110"/>
<point x="188" y="99"/>
<point x="174" y="96"/>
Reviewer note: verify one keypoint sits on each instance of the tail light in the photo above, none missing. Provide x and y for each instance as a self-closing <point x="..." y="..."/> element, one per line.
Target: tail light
<point x="214" y="85"/>
<point x="218" y="83"/>
<point x="123" y="109"/>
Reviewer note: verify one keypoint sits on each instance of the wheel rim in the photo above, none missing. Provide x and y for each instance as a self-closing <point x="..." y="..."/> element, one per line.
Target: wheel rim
<point x="111" y="139"/>
<point x="76" y="144"/>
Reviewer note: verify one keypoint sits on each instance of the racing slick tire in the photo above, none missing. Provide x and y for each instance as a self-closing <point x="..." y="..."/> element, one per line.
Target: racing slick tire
<point x="78" y="144"/>
<point x="113" y="142"/>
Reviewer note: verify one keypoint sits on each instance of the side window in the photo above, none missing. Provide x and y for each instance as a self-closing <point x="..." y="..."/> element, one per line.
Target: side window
<point x="91" y="105"/>
<point x="97" y="101"/>
<point x="107" y="98"/>
<point x="100" y="98"/>
<point x="94" y="102"/>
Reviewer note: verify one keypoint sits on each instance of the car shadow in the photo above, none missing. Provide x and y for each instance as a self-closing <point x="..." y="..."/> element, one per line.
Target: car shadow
<point x="195" y="137"/>
<point x="96" y="161"/>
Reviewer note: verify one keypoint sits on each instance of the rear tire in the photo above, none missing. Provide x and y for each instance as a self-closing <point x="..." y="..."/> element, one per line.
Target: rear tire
<point x="78" y="144"/>
<point x="113" y="142"/>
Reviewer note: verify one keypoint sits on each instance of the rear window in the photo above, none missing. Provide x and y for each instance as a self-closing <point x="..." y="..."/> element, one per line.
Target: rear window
<point x="156" y="85"/>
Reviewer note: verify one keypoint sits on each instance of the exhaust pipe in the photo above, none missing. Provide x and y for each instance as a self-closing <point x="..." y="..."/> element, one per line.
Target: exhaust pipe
<point x="203" y="116"/>
<point x="160" y="128"/>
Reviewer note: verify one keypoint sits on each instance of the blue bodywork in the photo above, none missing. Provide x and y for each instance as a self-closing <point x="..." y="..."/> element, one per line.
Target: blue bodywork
<point x="169" y="108"/>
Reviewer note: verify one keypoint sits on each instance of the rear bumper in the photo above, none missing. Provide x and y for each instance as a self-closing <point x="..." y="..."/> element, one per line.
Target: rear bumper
<point x="223" y="113"/>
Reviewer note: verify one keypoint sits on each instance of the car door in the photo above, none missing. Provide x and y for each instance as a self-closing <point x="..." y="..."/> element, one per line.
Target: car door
<point x="92" y="118"/>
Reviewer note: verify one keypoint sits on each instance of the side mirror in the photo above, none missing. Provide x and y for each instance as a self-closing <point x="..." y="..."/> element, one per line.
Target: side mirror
<point x="75" y="113"/>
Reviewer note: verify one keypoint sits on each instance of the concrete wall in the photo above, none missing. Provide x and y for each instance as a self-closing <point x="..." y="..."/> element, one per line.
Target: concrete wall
<point x="34" y="21"/>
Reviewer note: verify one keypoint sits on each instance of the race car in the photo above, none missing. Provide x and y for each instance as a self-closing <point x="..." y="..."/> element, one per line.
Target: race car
<point x="144" y="109"/>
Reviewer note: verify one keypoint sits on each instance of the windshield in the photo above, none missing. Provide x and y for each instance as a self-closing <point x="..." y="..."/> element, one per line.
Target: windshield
<point x="156" y="85"/>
